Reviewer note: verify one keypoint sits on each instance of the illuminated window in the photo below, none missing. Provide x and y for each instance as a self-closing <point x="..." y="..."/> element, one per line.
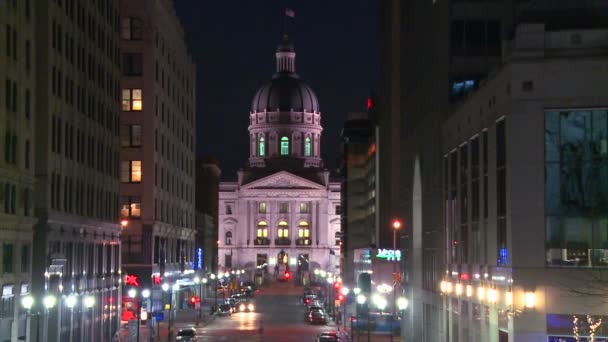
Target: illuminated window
<point x="284" y="146"/>
<point x="261" y="147"/>
<point x="132" y="100"/>
<point x="130" y="207"/>
<point x="304" y="233"/>
<point x="262" y="208"/>
<point x="262" y="231"/>
<point x="132" y="29"/>
<point x="130" y="171"/>
<point x="283" y="229"/>
<point x="304" y="207"/>
<point x="307" y="147"/>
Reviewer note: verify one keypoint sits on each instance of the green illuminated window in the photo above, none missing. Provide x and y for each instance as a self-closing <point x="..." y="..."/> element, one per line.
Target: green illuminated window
<point x="261" y="147"/>
<point x="284" y="146"/>
<point x="307" y="147"/>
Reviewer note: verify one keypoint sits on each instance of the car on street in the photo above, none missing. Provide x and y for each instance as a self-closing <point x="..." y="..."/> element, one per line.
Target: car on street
<point x="309" y="299"/>
<point x="186" y="335"/>
<point x="246" y="307"/>
<point x="328" y="337"/>
<point x="311" y="309"/>
<point x="317" y="317"/>
<point x="225" y="310"/>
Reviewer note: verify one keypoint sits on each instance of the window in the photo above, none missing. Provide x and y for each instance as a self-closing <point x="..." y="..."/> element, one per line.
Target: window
<point x="132" y="64"/>
<point x="228" y="209"/>
<point x="283" y="207"/>
<point x="132" y="28"/>
<point x="284" y="146"/>
<point x="262" y="231"/>
<point x="228" y="260"/>
<point x="132" y="100"/>
<point x="303" y="233"/>
<point x="262" y="208"/>
<point x="304" y="207"/>
<point x="338" y="209"/>
<point x="130" y="136"/>
<point x="261" y="147"/>
<point x="25" y="258"/>
<point x="338" y="238"/>
<point x="27" y="154"/>
<point x="228" y="238"/>
<point x="7" y="258"/>
<point x="130" y="207"/>
<point x="130" y="171"/>
<point x="307" y="147"/>
<point x="26" y="202"/>
<point x="27" y="106"/>
<point x="283" y="230"/>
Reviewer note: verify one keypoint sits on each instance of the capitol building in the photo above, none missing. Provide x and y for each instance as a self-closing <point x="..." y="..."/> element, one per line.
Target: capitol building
<point x="283" y="213"/>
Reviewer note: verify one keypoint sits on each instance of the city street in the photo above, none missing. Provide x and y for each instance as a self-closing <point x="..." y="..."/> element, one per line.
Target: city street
<point x="279" y="316"/>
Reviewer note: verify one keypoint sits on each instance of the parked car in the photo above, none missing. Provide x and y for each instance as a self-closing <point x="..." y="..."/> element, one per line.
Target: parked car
<point x="309" y="299"/>
<point x="328" y="337"/>
<point x="186" y="335"/>
<point x="317" y="317"/>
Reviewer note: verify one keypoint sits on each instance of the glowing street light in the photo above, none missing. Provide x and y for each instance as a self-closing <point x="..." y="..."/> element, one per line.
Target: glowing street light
<point x="165" y="287"/>
<point x="89" y="301"/>
<point x="402" y="303"/>
<point x="49" y="301"/>
<point x="361" y="299"/>
<point x="197" y="280"/>
<point x="27" y="302"/>
<point x="204" y="280"/>
<point x="132" y="293"/>
<point x="356" y="291"/>
<point x="70" y="301"/>
<point x="345" y="290"/>
<point x="145" y="293"/>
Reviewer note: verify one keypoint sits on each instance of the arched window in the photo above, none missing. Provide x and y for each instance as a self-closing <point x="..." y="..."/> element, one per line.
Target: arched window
<point x="303" y="233"/>
<point x="338" y="237"/>
<point x="228" y="238"/>
<point x="307" y="147"/>
<point x="284" y="146"/>
<point x="262" y="231"/>
<point x="261" y="147"/>
<point x="283" y="230"/>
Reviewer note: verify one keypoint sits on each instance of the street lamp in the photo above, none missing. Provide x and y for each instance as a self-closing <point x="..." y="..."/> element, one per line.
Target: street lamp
<point x="361" y="300"/>
<point x="345" y="290"/>
<point x="396" y="226"/>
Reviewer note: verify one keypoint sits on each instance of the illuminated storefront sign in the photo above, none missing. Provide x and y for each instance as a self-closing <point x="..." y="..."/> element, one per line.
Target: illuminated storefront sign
<point x="131" y="280"/>
<point x="199" y="261"/>
<point x="389" y="254"/>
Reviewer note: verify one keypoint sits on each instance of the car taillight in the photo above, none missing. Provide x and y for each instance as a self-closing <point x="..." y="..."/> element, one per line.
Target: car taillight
<point x="308" y="301"/>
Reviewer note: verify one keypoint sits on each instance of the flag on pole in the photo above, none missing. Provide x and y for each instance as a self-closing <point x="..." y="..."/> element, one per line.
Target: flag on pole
<point x="290" y="13"/>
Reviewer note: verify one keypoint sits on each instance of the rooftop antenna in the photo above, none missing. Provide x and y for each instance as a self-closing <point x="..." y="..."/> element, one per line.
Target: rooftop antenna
<point x="289" y="13"/>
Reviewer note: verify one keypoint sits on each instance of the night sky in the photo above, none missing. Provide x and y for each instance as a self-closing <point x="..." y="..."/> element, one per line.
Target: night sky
<point x="233" y="45"/>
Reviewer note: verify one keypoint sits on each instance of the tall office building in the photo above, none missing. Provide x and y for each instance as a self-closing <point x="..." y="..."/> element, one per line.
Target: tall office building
<point x="17" y="117"/>
<point x="207" y="199"/>
<point x="492" y="254"/>
<point x="359" y="186"/>
<point x="76" y="264"/>
<point x="157" y="159"/>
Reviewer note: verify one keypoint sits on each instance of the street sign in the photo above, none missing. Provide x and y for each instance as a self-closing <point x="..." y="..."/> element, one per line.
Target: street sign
<point x="158" y="315"/>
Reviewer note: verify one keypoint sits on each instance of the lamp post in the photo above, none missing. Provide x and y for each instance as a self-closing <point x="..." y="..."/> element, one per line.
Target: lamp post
<point x="213" y="277"/>
<point x="396" y="227"/>
<point x="89" y="302"/>
<point x="145" y="294"/>
<point x="361" y="300"/>
<point x="70" y="301"/>
<point x="345" y="291"/>
<point x="402" y="304"/>
<point x="133" y="294"/>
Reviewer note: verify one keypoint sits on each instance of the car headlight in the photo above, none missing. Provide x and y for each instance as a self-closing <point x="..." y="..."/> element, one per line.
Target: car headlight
<point x="250" y="307"/>
<point x="242" y="307"/>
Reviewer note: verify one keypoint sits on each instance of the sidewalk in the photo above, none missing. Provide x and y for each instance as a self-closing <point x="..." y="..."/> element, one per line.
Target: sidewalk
<point x="359" y="335"/>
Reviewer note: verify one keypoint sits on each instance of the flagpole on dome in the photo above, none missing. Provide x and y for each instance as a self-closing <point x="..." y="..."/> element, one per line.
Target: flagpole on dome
<point x="289" y="13"/>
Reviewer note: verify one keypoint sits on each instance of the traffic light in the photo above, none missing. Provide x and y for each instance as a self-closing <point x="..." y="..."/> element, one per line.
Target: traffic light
<point x="287" y="275"/>
<point x="193" y="299"/>
<point x="341" y="297"/>
<point x="337" y="286"/>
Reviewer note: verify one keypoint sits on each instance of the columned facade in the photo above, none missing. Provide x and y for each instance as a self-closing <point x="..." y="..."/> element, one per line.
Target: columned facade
<point x="283" y="213"/>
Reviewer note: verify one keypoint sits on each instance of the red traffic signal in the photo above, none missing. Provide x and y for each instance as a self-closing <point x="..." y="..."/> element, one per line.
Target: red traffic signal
<point x="341" y="298"/>
<point x="337" y="286"/>
<point x="194" y="299"/>
<point x="287" y="275"/>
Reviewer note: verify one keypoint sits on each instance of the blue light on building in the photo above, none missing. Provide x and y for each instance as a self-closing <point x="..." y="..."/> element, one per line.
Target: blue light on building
<point x="199" y="256"/>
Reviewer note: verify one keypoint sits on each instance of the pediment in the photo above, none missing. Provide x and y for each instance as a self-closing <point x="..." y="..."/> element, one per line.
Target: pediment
<point x="283" y="180"/>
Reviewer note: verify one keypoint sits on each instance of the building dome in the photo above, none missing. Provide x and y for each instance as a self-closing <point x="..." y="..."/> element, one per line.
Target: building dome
<point x="285" y="92"/>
